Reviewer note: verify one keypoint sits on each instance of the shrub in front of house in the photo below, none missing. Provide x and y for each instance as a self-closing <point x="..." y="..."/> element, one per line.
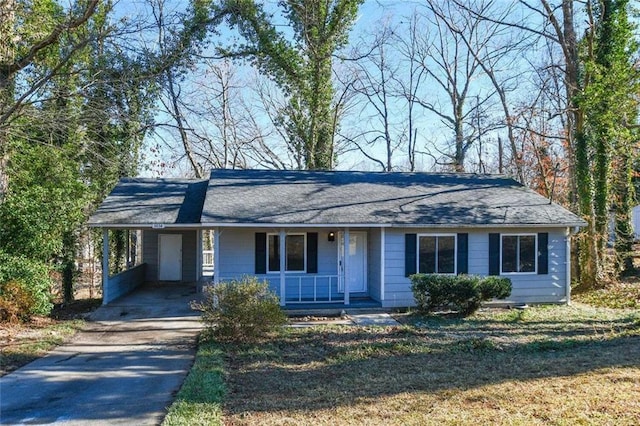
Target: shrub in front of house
<point x="25" y="288"/>
<point x="494" y="288"/>
<point x="240" y="310"/>
<point x="461" y="293"/>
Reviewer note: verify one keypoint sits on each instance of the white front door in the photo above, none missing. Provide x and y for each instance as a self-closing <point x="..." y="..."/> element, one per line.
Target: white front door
<point x="356" y="275"/>
<point x="170" y="257"/>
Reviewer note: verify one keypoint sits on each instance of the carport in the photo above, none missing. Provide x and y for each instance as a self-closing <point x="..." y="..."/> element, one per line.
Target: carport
<point x="166" y="214"/>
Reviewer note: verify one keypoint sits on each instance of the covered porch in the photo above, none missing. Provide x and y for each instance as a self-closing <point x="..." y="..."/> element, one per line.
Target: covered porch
<point x="303" y="266"/>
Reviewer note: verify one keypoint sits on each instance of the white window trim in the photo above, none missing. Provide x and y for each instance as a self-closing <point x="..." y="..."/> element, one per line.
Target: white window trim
<point x="304" y="254"/>
<point x="455" y="252"/>
<point x="535" y="256"/>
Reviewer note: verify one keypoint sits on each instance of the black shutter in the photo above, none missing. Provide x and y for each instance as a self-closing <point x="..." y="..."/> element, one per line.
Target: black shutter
<point x="410" y="254"/>
<point x="312" y="252"/>
<point x="261" y="253"/>
<point x="463" y="253"/>
<point x="543" y="253"/>
<point x="494" y="254"/>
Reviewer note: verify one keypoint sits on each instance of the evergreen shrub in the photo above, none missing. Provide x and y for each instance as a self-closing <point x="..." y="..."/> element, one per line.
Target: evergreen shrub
<point x="462" y="293"/>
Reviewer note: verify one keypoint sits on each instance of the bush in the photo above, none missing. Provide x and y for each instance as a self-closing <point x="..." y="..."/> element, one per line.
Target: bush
<point x="462" y="293"/>
<point x="15" y="302"/>
<point x="494" y="288"/>
<point x="32" y="278"/>
<point x="240" y="310"/>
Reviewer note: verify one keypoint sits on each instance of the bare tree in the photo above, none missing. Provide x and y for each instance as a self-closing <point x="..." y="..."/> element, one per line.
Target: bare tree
<point x="374" y="75"/>
<point x="454" y="69"/>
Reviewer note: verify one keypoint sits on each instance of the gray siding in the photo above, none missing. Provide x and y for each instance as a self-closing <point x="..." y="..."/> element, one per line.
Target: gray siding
<point x="189" y="253"/>
<point x="527" y="288"/>
<point x="237" y="258"/>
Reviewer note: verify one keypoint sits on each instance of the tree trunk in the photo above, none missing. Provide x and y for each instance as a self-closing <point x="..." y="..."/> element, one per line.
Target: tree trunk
<point x="7" y="84"/>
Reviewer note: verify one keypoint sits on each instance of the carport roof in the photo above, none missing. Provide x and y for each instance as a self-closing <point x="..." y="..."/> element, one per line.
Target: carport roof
<point x="144" y="201"/>
<point x="271" y="197"/>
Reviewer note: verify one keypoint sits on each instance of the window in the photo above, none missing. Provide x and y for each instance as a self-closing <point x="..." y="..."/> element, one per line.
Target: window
<point x="518" y="253"/>
<point x="295" y="252"/>
<point x="437" y="254"/>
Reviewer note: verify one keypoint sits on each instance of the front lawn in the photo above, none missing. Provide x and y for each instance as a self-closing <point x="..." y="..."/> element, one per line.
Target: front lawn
<point x="562" y="365"/>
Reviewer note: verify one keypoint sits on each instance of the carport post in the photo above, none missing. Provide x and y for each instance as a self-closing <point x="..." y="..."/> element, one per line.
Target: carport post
<point x="105" y="266"/>
<point x="198" y="258"/>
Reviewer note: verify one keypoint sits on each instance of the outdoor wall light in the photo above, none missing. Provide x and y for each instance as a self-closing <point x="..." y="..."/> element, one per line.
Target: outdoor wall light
<point x="331" y="236"/>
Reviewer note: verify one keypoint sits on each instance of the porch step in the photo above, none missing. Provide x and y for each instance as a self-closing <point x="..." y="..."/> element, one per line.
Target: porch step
<point x="357" y="306"/>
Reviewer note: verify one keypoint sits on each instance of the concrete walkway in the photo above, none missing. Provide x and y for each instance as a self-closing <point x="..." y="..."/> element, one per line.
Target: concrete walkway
<point x="380" y="318"/>
<point x="357" y="319"/>
<point x="123" y="368"/>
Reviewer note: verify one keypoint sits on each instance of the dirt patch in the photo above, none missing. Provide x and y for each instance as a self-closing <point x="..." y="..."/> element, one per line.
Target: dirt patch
<point x="23" y="343"/>
<point x="75" y="309"/>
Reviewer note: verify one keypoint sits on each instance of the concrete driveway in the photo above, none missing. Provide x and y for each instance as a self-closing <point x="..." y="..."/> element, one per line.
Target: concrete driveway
<point x="125" y="367"/>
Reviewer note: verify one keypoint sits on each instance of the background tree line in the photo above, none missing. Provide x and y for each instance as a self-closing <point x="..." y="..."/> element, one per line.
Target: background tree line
<point x="90" y="91"/>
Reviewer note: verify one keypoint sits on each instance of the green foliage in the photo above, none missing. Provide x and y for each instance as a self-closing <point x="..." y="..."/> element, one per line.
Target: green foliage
<point x="302" y="67"/>
<point x="45" y="200"/>
<point x="462" y="293"/>
<point x="606" y="138"/>
<point x="33" y="281"/>
<point x="240" y="310"/>
<point x="199" y="401"/>
<point x="493" y="287"/>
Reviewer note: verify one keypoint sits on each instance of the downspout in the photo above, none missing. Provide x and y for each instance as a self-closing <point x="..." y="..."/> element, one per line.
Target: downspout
<point x="569" y="233"/>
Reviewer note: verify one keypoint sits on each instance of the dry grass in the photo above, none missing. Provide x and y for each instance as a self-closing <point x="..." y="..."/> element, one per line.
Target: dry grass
<point x="23" y="343"/>
<point x="555" y="365"/>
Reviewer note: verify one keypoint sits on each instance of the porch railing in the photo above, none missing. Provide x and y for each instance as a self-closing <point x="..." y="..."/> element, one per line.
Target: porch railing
<point x="207" y="262"/>
<point x="324" y="289"/>
<point x="207" y="258"/>
<point x="305" y="288"/>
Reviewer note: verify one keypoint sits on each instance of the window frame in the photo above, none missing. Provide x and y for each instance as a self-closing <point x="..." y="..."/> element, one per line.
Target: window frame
<point x="535" y="253"/>
<point x="304" y="253"/>
<point x="438" y="235"/>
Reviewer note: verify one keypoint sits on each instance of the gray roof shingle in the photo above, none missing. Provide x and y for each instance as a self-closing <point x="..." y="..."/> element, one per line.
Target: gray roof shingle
<point x="139" y="201"/>
<point x="376" y="198"/>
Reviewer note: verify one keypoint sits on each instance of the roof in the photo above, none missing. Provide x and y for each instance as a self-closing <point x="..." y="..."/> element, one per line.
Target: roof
<point x="376" y="198"/>
<point x="140" y="201"/>
<point x="271" y="197"/>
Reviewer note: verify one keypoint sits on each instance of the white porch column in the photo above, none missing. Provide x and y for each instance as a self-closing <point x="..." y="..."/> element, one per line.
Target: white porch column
<point x="283" y="265"/>
<point x="198" y="255"/>
<point x="127" y="249"/>
<point x="346" y="266"/>
<point x="216" y="255"/>
<point x="382" y="235"/>
<point x="105" y="266"/>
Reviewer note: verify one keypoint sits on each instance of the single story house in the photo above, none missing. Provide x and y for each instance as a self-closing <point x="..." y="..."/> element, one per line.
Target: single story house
<point x="342" y="236"/>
